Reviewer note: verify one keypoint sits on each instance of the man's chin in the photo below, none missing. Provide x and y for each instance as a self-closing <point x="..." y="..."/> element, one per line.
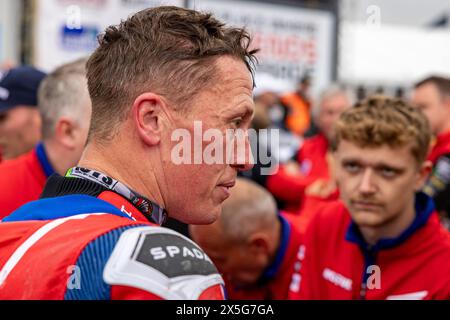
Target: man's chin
<point x="366" y="218"/>
<point x="203" y="217"/>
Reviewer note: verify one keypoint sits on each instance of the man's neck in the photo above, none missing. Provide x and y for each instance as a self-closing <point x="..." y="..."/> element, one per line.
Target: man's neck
<point x="56" y="157"/>
<point x="109" y="162"/>
<point x="391" y="229"/>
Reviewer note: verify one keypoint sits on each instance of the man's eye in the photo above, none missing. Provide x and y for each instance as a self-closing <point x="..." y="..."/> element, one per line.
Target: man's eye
<point x="352" y="167"/>
<point x="237" y="122"/>
<point x="387" y="172"/>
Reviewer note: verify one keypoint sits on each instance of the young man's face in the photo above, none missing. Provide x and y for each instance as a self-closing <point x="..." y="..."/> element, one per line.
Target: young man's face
<point x="203" y="185"/>
<point x="377" y="184"/>
<point x="20" y="130"/>
<point x="428" y="99"/>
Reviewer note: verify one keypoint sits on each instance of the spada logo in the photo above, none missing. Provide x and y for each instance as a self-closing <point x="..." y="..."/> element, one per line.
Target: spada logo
<point x="83" y="38"/>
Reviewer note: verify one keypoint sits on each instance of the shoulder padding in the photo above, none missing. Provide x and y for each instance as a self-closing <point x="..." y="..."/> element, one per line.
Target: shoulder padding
<point x="160" y="261"/>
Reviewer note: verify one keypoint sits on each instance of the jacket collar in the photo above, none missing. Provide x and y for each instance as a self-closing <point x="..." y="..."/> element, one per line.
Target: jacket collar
<point x="43" y="160"/>
<point x="424" y="208"/>
<point x="272" y="270"/>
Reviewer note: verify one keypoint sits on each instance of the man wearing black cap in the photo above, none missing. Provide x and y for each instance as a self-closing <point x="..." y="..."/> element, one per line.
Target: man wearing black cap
<point x="20" y="122"/>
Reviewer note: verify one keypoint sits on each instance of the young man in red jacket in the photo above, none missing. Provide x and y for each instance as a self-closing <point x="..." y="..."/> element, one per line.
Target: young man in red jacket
<point x="432" y="96"/>
<point x="312" y="161"/>
<point x="252" y="245"/>
<point x="384" y="240"/>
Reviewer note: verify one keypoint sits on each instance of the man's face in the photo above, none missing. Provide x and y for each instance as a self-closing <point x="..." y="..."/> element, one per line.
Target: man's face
<point x="377" y="184"/>
<point x="428" y="99"/>
<point x="203" y="185"/>
<point x="330" y="110"/>
<point x="238" y="263"/>
<point x="19" y="131"/>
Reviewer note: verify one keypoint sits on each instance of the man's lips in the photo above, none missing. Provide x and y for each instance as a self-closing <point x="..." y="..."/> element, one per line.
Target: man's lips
<point x="229" y="184"/>
<point x="365" y="204"/>
<point x="226" y="186"/>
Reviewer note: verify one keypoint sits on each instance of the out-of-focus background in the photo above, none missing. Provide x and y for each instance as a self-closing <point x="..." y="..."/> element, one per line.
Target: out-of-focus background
<point x="371" y="46"/>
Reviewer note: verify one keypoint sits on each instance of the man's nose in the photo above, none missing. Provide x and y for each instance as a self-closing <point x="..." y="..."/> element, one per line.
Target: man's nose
<point x="366" y="185"/>
<point x="242" y="157"/>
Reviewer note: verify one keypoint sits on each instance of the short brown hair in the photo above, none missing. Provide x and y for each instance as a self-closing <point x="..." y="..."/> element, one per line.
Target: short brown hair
<point x="168" y="50"/>
<point x="441" y="83"/>
<point x="381" y="121"/>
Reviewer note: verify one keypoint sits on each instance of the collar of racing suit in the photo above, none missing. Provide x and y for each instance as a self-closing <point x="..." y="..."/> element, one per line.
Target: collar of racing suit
<point x="90" y="195"/>
<point x="151" y="211"/>
<point x="424" y="208"/>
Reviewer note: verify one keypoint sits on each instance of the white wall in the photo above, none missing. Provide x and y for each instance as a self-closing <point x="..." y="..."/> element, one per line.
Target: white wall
<point x="10" y="17"/>
<point x="392" y="54"/>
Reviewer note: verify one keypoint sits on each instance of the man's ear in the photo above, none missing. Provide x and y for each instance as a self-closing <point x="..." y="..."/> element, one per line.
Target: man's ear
<point x="65" y="132"/>
<point x="147" y="114"/>
<point x="423" y="174"/>
<point x="259" y="243"/>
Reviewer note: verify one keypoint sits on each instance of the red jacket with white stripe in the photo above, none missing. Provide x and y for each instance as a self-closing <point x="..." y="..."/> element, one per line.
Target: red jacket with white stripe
<point x="84" y="247"/>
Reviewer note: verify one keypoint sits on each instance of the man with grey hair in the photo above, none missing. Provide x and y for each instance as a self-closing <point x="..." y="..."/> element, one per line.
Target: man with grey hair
<point x="252" y="245"/>
<point x="65" y="110"/>
<point x="312" y="160"/>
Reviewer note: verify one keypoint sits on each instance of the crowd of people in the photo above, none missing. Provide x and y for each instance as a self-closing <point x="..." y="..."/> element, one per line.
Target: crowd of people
<point x="357" y="207"/>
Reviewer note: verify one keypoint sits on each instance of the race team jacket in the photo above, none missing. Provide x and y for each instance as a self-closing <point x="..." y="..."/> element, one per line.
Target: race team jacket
<point x="334" y="261"/>
<point x="275" y="281"/>
<point x="22" y="179"/>
<point x="438" y="184"/>
<point x="90" y="237"/>
<point x="313" y="166"/>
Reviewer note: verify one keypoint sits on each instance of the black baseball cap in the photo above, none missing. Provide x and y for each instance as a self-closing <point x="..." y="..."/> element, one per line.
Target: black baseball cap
<point x="19" y="86"/>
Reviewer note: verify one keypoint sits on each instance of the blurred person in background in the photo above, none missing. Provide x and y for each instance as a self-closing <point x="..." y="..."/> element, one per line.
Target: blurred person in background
<point x="383" y="240"/>
<point x="20" y="123"/>
<point x="270" y="115"/>
<point x="312" y="162"/>
<point x="65" y="108"/>
<point x="298" y="104"/>
<point x="252" y="245"/>
<point x="432" y="96"/>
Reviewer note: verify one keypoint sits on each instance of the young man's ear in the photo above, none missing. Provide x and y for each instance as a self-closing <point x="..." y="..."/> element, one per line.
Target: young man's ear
<point x="423" y="174"/>
<point x="147" y="111"/>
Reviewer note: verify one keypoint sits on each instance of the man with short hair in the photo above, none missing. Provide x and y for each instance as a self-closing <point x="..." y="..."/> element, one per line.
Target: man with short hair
<point x="65" y="110"/>
<point x="384" y="240"/>
<point x="252" y="245"/>
<point x="156" y="76"/>
<point x="432" y="96"/>
<point x="20" y="123"/>
<point x="312" y="160"/>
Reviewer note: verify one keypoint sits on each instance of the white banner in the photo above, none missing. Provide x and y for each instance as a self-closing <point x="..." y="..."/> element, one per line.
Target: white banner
<point x="10" y="17"/>
<point x="293" y="41"/>
<point x="68" y="29"/>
